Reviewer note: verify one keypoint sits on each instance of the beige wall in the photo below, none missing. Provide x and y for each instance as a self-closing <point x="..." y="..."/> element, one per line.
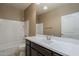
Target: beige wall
<point x="30" y="14"/>
<point x="10" y="12"/>
<point x="52" y="19"/>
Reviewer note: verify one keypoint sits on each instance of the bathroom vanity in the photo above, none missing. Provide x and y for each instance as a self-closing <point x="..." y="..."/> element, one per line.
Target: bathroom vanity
<point x="40" y="46"/>
<point x="33" y="49"/>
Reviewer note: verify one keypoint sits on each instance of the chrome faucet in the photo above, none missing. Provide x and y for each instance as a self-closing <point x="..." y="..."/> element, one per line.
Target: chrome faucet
<point x="48" y="37"/>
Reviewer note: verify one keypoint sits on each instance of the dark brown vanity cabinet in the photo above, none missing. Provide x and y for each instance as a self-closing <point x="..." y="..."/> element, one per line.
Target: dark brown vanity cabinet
<point x="33" y="49"/>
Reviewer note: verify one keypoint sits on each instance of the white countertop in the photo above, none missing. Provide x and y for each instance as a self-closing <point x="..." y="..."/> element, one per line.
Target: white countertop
<point x="63" y="46"/>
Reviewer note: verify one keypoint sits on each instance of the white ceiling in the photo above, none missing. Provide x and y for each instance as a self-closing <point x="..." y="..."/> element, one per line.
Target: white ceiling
<point x="40" y="10"/>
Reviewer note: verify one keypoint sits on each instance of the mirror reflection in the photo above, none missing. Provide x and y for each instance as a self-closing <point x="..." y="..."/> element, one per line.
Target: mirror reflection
<point x="58" y="19"/>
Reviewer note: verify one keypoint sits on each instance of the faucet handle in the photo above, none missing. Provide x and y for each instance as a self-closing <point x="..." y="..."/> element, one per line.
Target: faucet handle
<point x="48" y="37"/>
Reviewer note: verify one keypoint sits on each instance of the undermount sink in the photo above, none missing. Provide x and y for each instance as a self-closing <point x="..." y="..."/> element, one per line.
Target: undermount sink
<point x="44" y="40"/>
<point x="48" y="41"/>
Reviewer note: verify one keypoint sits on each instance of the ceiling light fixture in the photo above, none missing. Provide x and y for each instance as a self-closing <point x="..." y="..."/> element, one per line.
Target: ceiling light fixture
<point x="45" y="7"/>
<point x="38" y="3"/>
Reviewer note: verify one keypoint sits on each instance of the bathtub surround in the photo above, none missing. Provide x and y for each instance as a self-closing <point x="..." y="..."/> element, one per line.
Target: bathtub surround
<point x="11" y="36"/>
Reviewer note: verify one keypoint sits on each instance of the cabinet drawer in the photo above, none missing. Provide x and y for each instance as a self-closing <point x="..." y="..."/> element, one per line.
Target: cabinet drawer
<point x="41" y="49"/>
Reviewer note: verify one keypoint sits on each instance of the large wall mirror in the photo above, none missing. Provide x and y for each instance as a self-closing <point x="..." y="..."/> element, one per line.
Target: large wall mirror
<point x="70" y="25"/>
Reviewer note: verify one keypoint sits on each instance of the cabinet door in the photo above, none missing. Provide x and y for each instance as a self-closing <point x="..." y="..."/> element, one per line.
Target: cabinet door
<point x="33" y="52"/>
<point x="42" y="50"/>
<point x="28" y="51"/>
